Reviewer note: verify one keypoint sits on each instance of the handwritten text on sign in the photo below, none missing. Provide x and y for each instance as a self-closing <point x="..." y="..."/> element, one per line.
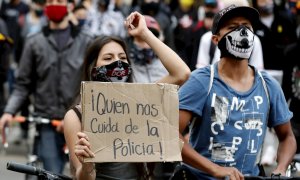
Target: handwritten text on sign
<point x="128" y="122"/>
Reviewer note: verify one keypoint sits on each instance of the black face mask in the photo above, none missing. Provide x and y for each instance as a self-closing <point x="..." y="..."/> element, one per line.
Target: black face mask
<point x="103" y="3"/>
<point x="151" y="8"/>
<point x="267" y="9"/>
<point x="39" y="12"/>
<point x="209" y="14"/>
<point x="81" y="22"/>
<point x="117" y="71"/>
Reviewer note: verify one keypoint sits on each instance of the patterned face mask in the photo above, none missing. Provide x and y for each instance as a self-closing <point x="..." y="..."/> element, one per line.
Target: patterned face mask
<point x="117" y="71"/>
<point x="237" y="43"/>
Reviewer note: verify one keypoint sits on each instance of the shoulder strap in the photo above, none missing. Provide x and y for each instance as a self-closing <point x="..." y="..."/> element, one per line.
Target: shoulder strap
<point x="265" y="86"/>
<point x="268" y="97"/>
<point x="212" y="49"/>
<point x="212" y="74"/>
<point x="77" y="110"/>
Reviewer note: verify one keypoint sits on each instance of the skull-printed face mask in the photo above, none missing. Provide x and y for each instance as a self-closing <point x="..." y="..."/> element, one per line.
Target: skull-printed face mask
<point x="237" y="43"/>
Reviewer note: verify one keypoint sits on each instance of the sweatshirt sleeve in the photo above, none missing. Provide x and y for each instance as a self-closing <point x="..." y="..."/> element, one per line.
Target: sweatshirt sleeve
<point x="24" y="79"/>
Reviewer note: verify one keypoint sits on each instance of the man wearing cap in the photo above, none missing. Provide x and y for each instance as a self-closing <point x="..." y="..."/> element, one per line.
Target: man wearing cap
<point x="230" y="104"/>
<point x="207" y="52"/>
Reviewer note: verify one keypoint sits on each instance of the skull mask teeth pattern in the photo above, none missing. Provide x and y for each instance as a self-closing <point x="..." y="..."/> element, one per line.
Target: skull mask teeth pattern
<point x="239" y="42"/>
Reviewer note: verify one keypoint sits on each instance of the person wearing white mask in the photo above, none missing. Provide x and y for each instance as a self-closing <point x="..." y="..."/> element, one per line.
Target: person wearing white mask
<point x="208" y="53"/>
<point x="229" y="105"/>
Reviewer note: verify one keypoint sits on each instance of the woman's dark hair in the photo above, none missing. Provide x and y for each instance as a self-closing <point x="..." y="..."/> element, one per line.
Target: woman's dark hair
<point x="79" y="7"/>
<point x="92" y="53"/>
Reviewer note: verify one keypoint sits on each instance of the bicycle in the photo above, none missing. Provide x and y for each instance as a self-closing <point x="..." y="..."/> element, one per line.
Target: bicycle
<point x="184" y="173"/>
<point x="290" y="175"/>
<point x="42" y="174"/>
<point x="272" y="177"/>
<point x="33" y="138"/>
<point x="294" y="167"/>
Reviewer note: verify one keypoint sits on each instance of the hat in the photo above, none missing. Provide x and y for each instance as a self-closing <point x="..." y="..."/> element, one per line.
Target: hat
<point x="152" y="24"/>
<point x="103" y="2"/>
<point x="39" y="1"/>
<point x="211" y="3"/>
<point x="234" y="11"/>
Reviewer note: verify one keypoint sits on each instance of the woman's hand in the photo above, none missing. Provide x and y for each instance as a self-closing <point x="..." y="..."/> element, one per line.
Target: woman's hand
<point x="83" y="147"/>
<point x="136" y="25"/>
<point x="5" y="120"/>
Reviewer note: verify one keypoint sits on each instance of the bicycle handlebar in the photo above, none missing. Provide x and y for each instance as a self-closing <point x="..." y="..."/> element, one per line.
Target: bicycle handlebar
<point x="266" y="178"/>
<point x="23" y="168"/>
<point x="31" y="170"/>
<point x="31" y="119"/>
<point x="297" y="158"/>
<point x="38" y="120"/>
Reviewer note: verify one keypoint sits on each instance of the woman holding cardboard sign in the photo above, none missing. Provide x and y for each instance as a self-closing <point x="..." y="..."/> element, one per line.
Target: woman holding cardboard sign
<point x="105" y="56"/>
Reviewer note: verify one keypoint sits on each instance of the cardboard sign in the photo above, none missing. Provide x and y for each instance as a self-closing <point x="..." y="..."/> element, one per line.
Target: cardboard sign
<point x="129" y="122"/>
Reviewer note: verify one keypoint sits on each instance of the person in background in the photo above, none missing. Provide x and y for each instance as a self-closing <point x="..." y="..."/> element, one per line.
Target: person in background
<point x="35" y="19"/>
<point x="276" y="30"/>
<point x="209" y="9"/>
<point x="80" y="12"/>
<point x="145" y="64"/>
<point x="148" y="68"/>
<point x="6" y="44"/>
<point x="162" y="14"/>
<point x="108" y="53"/>
<point x="232" y="104"/>
<point x="291" y="79"/>
<point x="186" y="15"/>
<point x="105" y="21"/>
<point x="50" y="69"/>
<point x="294" y="6"/>
<point x="123" y="6"/>
<point x="13" y="13"/>
<point x="89" y="5"/>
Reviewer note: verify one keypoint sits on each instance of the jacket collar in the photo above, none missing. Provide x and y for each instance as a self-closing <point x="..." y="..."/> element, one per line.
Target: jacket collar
<point x="74" y="30"/>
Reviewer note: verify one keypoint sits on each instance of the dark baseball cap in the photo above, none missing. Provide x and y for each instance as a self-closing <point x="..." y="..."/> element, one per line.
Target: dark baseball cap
<point x="234" y="11"/>
<point x="211" y="3"/>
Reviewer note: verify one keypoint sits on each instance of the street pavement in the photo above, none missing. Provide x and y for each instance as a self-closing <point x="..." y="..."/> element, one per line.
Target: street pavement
<point x="16" y="152"/>
<point x="12" y="155"/>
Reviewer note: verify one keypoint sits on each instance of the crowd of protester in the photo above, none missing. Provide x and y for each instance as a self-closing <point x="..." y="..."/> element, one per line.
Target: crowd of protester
<point x="183" y="25"/>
